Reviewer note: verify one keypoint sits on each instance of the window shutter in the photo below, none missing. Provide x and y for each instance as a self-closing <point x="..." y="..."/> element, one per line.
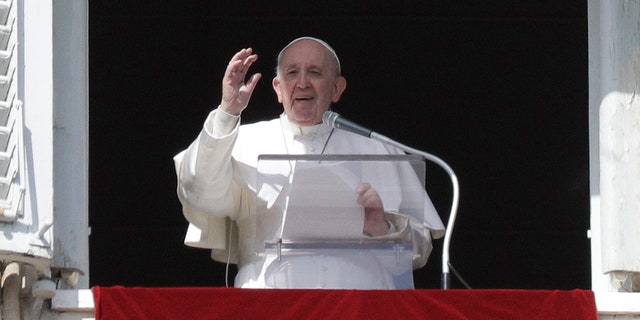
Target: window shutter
<point x="11" y="118"/>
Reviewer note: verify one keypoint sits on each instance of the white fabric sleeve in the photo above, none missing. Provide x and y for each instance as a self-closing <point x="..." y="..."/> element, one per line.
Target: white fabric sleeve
<point x="205" y="172"/>
<point x="205" y="188"/>
<point x="222" y="125"/>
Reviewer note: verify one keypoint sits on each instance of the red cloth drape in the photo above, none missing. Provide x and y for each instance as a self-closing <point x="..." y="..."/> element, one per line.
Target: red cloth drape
<point x="231" y="303"/>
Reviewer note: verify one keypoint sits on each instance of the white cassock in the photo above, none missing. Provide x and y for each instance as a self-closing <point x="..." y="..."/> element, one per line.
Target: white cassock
<point x="217" y="177"/>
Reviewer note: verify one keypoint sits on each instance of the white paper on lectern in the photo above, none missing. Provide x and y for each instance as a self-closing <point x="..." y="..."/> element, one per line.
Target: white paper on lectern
<point x="323" y="202"/>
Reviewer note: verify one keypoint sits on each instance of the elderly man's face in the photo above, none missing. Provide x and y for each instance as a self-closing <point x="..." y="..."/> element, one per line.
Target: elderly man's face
<point x="307" y="82"/>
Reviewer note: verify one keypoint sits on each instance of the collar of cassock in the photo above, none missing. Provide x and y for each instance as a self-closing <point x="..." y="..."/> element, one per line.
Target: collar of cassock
<point x="295" y="131"/>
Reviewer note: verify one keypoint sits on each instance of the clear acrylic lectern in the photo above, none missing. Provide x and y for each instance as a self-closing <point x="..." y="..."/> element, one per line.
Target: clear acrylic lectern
<point x="307" y="205"/>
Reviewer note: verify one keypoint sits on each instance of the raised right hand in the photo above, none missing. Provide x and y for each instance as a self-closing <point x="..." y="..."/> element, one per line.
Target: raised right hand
<point x="235" y="91"/>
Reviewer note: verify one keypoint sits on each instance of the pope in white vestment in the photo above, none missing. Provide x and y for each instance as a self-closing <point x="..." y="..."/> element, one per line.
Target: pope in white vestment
<point x="217" y="179"/>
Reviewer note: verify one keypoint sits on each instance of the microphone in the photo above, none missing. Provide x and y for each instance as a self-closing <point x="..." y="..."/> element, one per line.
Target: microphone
<point x="334" y="120"/>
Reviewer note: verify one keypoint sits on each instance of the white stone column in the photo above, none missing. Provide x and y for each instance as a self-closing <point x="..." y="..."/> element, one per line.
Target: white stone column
<point x="617" y="88"/>
<point x="71" y="140"/>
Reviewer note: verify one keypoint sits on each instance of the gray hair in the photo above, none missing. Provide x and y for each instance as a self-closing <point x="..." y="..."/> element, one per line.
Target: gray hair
<point x="323" y="43"/>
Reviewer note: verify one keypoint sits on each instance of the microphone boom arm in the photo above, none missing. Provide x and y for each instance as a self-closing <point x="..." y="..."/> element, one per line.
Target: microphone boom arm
<point x="336" y="121"/>
<point x="446" y="278"/>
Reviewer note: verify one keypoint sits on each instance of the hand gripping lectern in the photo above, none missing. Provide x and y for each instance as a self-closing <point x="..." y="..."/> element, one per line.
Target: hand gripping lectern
<point x="307" y="208"/>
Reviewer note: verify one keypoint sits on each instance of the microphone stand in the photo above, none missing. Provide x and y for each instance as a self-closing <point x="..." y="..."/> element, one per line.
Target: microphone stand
<point x="446" y="278"/>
